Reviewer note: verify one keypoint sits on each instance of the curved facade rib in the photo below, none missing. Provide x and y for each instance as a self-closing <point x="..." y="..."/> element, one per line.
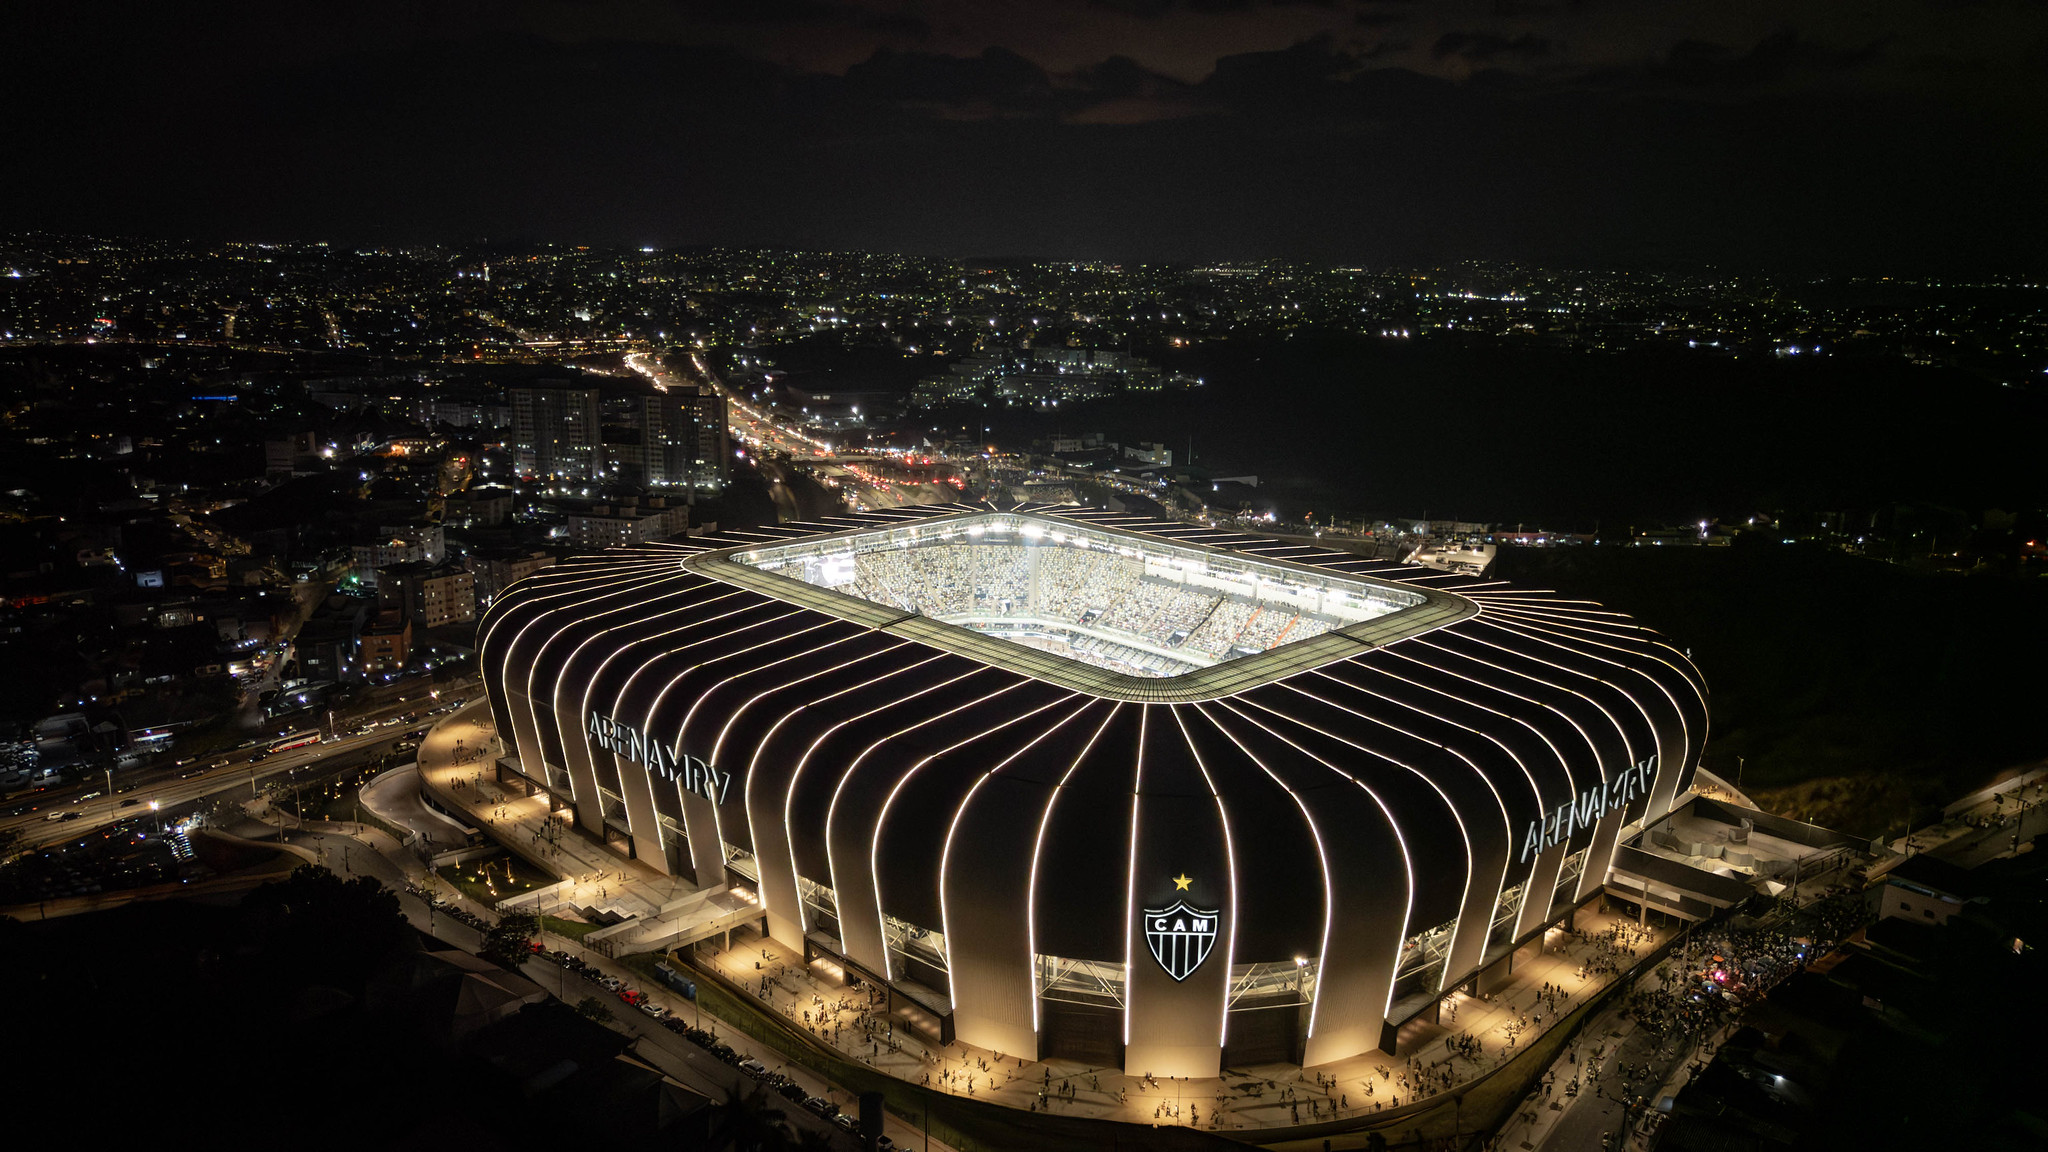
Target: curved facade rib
<point x="1273" y="848"/>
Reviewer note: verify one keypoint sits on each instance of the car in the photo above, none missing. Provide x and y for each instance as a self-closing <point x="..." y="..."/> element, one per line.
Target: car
<point x="652" y="1009"/>
<point x="130" y="802"/>
<point x="753" y="1067"/>
<point x="87" y="796"/>
<point x="59" y="815"/>
<point x="69" y="815"/>
<point x="821" y="1106"/>
<point x="846" y="1122"/>
<point x="406" y="746"/>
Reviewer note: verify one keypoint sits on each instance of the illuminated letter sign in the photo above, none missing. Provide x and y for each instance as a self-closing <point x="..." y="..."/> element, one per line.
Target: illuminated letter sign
<point x="1586" y="809"/>
<point x="671" y="764"/>
<point x="1180" y="937"/>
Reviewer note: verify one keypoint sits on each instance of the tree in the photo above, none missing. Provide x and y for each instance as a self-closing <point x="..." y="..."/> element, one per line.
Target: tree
<point x="333" y="930"/>
<point x="749" y="1121"/>
<point x="591" y="1008"/>
<point x="511" y="942"/>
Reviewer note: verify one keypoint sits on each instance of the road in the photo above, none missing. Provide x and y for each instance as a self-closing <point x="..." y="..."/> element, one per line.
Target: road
<point x="169" y="785"/>
<point x="1633" y="1064"/>
<point x="359" y="850"/>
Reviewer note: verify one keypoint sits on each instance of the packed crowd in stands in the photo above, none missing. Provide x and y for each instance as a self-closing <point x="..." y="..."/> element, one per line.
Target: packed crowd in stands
<point x="1094" y="590"/>
<point x="987" y="578"/>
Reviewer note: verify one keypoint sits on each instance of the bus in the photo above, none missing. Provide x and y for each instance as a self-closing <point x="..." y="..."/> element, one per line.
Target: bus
<point x="295" y="740"/>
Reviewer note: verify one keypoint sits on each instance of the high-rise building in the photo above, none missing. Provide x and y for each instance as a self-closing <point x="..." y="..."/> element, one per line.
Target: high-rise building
<point x="556" y="432"/>
<point x="682" y="439"/>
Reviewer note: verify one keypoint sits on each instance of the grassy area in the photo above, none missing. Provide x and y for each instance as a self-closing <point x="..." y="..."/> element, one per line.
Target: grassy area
<point x="573" y="929"/>
<point x="493" y="878"/>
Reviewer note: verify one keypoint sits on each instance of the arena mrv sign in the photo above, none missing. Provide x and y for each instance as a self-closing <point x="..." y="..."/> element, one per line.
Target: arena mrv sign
<point x="673" y="764"/>
<point x="1583" y="810"/>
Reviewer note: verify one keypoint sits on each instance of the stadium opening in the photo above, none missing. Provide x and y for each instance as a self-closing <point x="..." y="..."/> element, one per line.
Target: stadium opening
<point x="1111" y="600"/>
<point x="1070" y="783"/>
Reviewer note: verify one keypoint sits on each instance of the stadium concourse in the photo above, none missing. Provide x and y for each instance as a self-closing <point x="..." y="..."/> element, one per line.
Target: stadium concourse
<point x="1469" y="1037"/>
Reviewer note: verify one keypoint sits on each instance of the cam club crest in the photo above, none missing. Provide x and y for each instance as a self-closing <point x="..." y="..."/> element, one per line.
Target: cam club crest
<point x="1181" y="936"/>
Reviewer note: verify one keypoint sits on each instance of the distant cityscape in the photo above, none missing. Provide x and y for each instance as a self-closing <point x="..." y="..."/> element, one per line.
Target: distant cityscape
<point x="535" y="304"/>
<point x="257" y="498"/>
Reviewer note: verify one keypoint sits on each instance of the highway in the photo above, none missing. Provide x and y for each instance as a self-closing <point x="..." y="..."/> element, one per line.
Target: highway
<point x="169" y="785"/>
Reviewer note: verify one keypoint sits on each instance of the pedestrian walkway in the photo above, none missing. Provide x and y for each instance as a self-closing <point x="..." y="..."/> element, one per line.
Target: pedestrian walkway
<point x="1476" y="1036"/>
<point x="456" y="770"/>
<point x="1994" y="823"/>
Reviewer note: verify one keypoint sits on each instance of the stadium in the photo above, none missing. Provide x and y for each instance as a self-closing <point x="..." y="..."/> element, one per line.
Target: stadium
<point x="1071" y="783"/>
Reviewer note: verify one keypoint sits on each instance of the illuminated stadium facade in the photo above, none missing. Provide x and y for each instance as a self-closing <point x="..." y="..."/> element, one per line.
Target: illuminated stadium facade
<point x="1077" y="784"/>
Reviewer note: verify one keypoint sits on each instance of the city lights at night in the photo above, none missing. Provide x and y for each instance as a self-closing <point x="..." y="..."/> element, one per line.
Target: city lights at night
<point x="1095" y="574"/>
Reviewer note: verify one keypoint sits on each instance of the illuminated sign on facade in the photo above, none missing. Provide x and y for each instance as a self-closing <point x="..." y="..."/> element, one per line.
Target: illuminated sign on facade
<point x="1584" y="810"/>
<point x="1181" y="937"/>
<point x="673" y="764"/>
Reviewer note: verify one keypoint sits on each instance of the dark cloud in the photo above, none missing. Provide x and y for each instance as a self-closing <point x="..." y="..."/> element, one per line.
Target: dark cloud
<point x="766" y="11"/>
<point x="899" y="24"/>
<point x="1121" y="77"/>
<point x="1304" y="74"/>
<point x="1703" y="67"/>
<point x="1155" y="9"/>
<point x="997" y="81"/>
<point x="1488" y="48"/>
<point x="856" y="125"/>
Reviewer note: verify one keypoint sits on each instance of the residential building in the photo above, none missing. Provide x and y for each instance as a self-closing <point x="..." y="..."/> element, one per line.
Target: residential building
<point x="557" y="432"/>
<point x="495" y="573"/>
<point x="612" y="524"/>
<point x="682" y="439"/>
<point x="430" y="595"/>
<point x="385" y="644"/>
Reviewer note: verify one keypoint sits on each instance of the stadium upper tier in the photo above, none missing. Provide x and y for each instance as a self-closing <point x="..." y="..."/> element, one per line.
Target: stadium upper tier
<point x="1137" y="607"/>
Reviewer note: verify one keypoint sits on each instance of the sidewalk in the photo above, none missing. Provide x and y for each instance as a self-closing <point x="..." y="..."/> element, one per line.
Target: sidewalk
<point x="456" y="770"/>
<point x="1265" y="1096"/>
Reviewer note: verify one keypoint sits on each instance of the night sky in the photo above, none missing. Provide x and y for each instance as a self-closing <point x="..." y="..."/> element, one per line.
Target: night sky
<point x="1825" y="134"/>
